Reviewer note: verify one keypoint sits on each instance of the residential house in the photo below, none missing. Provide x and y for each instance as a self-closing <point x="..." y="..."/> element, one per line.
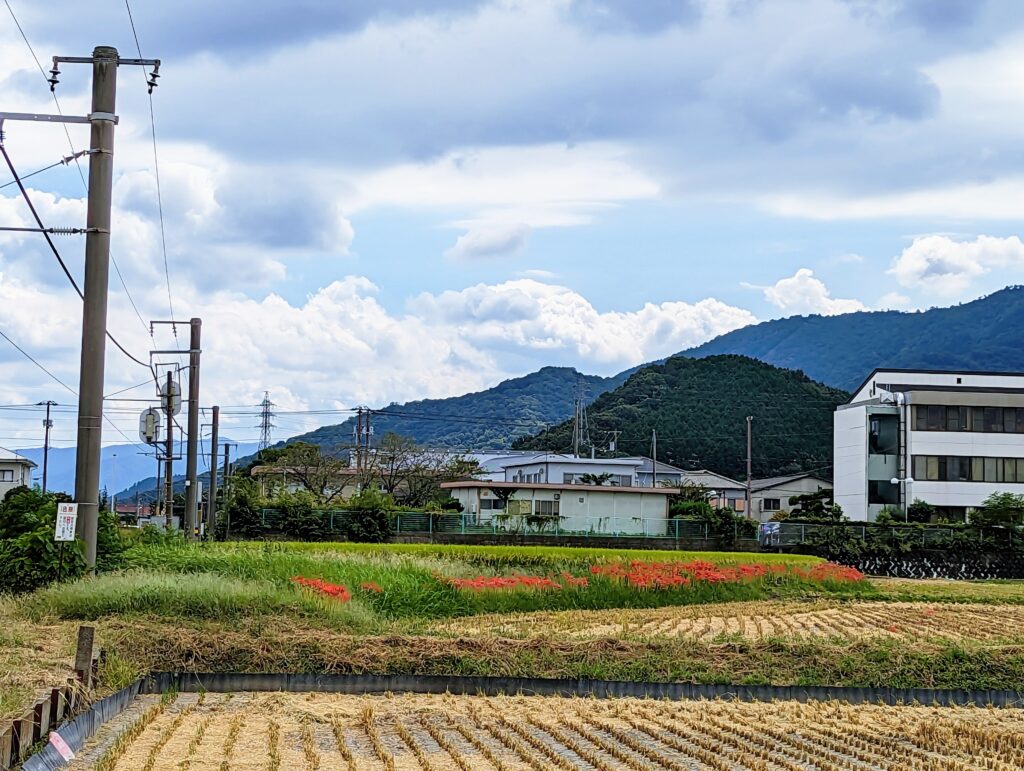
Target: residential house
<point x="723" y="492"/>
<point x="770" y="496"/>
<point x="950" y="438"/>
<point x="15" y="471"/>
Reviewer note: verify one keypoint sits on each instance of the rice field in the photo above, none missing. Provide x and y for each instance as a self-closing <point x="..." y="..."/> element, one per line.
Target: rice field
<point x="324" y="731"/>
<point x="761" y="620"/>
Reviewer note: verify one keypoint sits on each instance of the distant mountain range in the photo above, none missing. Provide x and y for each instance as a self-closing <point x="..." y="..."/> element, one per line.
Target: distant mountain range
<point x="839" y="351"/>
<point x="699" y="408"/>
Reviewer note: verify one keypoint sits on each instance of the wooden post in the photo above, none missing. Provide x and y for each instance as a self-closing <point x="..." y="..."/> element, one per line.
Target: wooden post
<point x="83" y="654"/>
<point x="7" y="746"/>
<point x="55" y="703"/>
<point x="39" y="714"/>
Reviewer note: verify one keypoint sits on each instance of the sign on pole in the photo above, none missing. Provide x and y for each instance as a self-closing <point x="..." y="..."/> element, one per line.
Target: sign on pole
<point x="67" y="518"/>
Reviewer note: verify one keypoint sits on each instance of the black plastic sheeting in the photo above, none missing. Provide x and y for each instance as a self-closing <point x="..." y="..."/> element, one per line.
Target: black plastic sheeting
<point x="495" y="686"/>
<point x="83" y="727"/>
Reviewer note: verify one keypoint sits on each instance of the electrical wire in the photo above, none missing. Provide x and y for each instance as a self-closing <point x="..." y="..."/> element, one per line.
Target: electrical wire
<point x="28" y="356"/>
<point x="56" y="253"/>
<point x="156" y="173"/>
<point x="74" y="154"/>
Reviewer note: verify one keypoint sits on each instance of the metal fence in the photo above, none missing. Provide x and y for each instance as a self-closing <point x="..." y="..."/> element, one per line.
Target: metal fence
<point x="782" y="534"/>
<point x="428" y="523"/>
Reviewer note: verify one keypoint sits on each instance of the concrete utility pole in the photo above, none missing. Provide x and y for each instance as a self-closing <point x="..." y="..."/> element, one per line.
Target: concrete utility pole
<point x="192" y="447"/>
<point x="169" y="454"/>
<point x="359" y="439"/>
<point x="750" y="421"/>
<point x="654" y="457"/>
<point x="94" y="308"/>
<point x="211" y="508"/>
<point x="47" y="425"/>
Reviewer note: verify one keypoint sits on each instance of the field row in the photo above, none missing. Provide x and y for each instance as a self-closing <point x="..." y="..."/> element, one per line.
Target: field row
<point x="314" y="731"/>
<point x="760" y="620"/>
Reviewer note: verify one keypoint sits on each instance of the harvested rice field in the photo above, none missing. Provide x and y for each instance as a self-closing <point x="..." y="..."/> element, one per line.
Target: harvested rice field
<point x="760" y="620"/>
<point x="324" y="731"/>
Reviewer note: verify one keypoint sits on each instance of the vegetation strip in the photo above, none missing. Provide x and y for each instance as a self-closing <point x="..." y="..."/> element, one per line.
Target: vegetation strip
<point x="224" y="682"/>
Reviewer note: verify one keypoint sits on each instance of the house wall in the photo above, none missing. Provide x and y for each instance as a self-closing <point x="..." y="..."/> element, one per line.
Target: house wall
<point x="611" y="510"/>
<point x="850" y="447"/>
<point x="554" y="471"/>
<point x="13" y="475"/>
<point x="783" y="493"/>
<point x="967" y="381"/>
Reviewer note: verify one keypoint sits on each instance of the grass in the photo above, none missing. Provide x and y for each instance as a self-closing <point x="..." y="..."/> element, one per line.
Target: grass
<point x="943" y="590"/>
<point x="202" y="595"/>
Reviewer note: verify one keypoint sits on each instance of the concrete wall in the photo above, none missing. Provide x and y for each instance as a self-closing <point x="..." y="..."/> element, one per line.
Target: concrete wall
<point x="554" y="471"/>
<point x="850" y="447"/>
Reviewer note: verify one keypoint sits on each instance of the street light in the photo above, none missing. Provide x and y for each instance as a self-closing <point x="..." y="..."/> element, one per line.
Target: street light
<point x="906" y="482"/>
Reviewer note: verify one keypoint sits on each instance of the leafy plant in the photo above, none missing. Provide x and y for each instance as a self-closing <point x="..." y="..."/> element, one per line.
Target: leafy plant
<point x="369" y="517"/>
<point x="1000" y="509"/>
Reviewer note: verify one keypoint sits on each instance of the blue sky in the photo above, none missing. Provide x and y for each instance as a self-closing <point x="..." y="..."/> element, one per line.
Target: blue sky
<point x="378" y="201"/>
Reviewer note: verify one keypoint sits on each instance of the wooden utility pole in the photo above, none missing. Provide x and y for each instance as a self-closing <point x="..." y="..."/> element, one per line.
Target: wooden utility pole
<point x="94" y="306"/>
<point x="211" y="509"/>
<point x="191" y="517"/>
<point x="750" y="421"/>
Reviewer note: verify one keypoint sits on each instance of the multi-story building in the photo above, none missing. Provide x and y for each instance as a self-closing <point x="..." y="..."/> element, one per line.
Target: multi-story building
<point x="950" y="439"/>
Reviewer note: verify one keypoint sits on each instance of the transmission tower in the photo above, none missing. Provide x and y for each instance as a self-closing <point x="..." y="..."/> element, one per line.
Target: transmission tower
<point x="266" y="420"/>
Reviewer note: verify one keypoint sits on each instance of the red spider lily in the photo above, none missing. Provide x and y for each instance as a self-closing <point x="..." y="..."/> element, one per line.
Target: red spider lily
<point x="337" y="591"/>
<point x="665" y="575"/>
<point x="371" y="586"/>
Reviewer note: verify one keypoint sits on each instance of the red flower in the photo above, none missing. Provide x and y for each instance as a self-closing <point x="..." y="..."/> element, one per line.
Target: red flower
<point x="337" y="591"/>
<point x="371" y="586"/>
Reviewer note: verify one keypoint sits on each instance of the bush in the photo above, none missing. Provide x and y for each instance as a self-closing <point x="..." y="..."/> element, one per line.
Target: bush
<point x="29" y="557"/>
<point x="919" y="511"/>
<point x="1000" y="509"/>
<point x="242" y="515"/>
<point x="299" y="518"/>
<point x="369" y="517"/>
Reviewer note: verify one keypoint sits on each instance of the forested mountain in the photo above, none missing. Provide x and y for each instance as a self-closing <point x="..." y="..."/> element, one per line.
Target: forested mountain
<point x="487" y="419"/>
<point x="699" y="408"/>
<point x="843" y="350"/>
<point x="838" y="350"/>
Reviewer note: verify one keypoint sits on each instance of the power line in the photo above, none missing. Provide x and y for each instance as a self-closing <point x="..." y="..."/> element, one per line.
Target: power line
<point x="156" y="168"/>
<point x="53" y="248"/>
<point x="28" y="356"/>
<point x="75" y="155"/>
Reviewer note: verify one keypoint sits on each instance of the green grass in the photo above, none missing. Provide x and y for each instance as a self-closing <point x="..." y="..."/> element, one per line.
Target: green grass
<point x="201" y="595"/>
<point x="544" y="557"/>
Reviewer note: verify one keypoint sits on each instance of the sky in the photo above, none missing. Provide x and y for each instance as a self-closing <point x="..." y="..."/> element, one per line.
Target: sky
<point x="377" y="201"/>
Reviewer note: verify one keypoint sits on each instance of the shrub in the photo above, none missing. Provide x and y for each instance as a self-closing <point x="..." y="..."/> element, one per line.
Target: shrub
<point x="920" y="511"/>
<point x="369" y="517"/>
<point x="299" y="519"/>
<point x="1000" y="509"/>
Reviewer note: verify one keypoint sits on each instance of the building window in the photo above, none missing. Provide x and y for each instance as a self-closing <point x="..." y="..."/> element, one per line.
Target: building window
<point x="883" y="492"/>
<point x="990" y="420"/>
<point x="546" y="508"/>
<point x="772" y="504"/>
<point x="6" y="475"/>
<point x="955" y="468"/>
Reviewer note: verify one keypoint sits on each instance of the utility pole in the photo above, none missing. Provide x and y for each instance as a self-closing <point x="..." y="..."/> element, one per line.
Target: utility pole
<point x="169" y="455"/>
<point x="227" y="472"/>
<point x="192" y="447"/>
<point x="750" y="422"/>
<point x="47" y="425"/>
<point x="576" y="427"/>
<point x="94" y="306"/>
<point x="654" y="457"/>
<point x="359" y="439"/>
<point x="211" y="509"/>
<point x="113" y="478"/>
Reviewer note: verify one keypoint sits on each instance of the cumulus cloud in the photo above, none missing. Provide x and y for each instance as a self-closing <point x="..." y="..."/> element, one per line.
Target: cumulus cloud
<point x="803" y="293"/>
<point x="947" y="267"/>
<point x="490" y="241"/>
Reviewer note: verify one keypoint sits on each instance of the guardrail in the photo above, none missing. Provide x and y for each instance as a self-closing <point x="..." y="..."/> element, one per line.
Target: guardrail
<point x="780" y="534"/>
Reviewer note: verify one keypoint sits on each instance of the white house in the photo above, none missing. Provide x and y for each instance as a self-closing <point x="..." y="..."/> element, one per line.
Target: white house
<point x="555" y="468"/>
<point x="948" y="438"/>
<point x="770" y="496"/>
<point x="567" y="506"/>
<point x="15" y="471"/>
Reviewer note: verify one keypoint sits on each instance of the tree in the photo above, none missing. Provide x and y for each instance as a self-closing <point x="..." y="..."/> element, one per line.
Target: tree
<point x="321" y="475"/>
<point x="815" y="507"/>
<point x="411" y="474"/>
<point x="695" y="492"/>
<point x="595" y="479"/>
<point x="369" y="517"/>
<point x="1000" y="509"/>
<point x="919" y="511"/>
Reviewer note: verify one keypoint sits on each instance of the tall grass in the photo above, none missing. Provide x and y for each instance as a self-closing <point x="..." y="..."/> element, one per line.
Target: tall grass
<point x="200" y="595"/>
<point x="520" y="557"/>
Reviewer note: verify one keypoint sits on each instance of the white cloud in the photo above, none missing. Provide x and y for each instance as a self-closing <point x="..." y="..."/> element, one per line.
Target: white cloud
<point x="947" y="267"/>
<point x="894" y="301"/>
<point x="489" y="241"/>
<point x="803" y="293"/>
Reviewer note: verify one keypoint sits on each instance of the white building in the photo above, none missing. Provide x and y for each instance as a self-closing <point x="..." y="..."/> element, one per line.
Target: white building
<point x="950" y="439"/>
<point x="547" y="507"/>
<point x="555" y="468"/>
<point x="15" y="471"/>
<point x="770" y="496"/>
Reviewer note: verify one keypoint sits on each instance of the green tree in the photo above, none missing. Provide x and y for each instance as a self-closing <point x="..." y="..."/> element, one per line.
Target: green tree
<point x="369" y="516"/>
<point x="1000" y="509"/>
<point x="595" y="479"/>
<point x="920" y="511"/>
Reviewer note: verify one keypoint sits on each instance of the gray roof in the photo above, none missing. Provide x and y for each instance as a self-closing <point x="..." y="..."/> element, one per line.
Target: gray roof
<point x="9" y="456"/>
<point x="765" y="484"/>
